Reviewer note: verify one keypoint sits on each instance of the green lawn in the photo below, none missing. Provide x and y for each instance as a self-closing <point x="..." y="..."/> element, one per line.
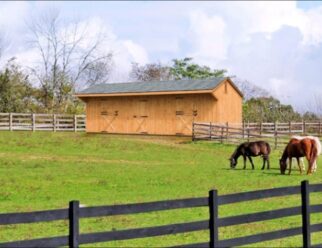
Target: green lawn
<point x="45" y="170"/>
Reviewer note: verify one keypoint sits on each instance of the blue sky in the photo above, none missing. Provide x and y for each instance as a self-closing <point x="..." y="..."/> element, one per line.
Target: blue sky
<point x="276" y="45"/>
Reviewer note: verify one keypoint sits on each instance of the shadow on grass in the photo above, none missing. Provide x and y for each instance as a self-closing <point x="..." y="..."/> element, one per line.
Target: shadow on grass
<point x="249" y="169"/>
<point x="294" y="173"/>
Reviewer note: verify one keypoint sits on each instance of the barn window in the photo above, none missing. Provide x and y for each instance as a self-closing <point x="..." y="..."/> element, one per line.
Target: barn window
<point x="179" y="113"/>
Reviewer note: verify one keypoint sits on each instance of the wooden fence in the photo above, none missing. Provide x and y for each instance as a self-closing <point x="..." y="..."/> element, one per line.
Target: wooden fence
<point x="235" y="133"/>
<point x="212" y="202"/>
<point x="42" y="122"/>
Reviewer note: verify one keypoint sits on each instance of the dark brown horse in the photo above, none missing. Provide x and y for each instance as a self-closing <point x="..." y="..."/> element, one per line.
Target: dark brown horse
<point x="251" y="149"/>
<point x="308" y="147"/>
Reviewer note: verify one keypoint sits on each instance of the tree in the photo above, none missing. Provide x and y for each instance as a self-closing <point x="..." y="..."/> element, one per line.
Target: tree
<point x="185" y="69"/>
<point x="250" y="90"/>
<point x="150" y="72"/>
<point x="180" y="69"/>
<point x="68" y="57"/>
<point x="16" y="92"/>
<point x="310" y="116"/>
<point x="268" y="109"/>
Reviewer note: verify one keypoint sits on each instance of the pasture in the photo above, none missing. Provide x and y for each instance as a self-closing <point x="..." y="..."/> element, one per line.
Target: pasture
<point x="45" y="170"/>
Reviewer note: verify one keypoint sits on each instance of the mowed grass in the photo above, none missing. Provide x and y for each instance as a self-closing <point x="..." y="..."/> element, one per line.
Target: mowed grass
<point x="45" y="170"/>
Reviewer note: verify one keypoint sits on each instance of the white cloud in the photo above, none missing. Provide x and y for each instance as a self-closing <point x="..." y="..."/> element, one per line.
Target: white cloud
<point x="208" y="37"/>
<point x="136" y="51"/>
<point x="124" y="51"/>
<point x="276" y="45"/>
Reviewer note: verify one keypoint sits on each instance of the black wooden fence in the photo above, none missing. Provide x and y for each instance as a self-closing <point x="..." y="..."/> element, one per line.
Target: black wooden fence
<point x="213" y="201"/>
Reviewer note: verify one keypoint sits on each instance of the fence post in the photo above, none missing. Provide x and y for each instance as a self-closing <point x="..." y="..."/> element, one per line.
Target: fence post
<point x="75" y="123"/>
<point x="74" y="224"/>
<point x="10" y="121"/>
<point x="303" y="127"/>
<point x="33" y="118"/>
<point x="305" y="195"/>
<point x="227" y="131"/>
<point x="193" y="131"/>
<point x="290" y="128"/>
<point x="210" y="130"/>
<point x="248" y="134"/>
<point x="213" y="220"/>
<point x="243" y="129"/>
<point x="54" y="122"/>
<point x="275" y="133"/>
<point x="222" y="135"/>
<point x="260" y="128"/>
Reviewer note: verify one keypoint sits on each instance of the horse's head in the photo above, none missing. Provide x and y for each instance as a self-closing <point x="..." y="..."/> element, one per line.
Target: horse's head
<point x="283" y="166"/>
<point x="233" y="163"/>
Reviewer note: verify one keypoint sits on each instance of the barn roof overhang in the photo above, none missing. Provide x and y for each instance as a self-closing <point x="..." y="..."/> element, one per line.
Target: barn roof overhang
<point x="210" y="89"/>
<point x="80" y="95"/>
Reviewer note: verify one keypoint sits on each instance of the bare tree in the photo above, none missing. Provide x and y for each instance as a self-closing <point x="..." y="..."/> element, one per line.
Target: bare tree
<point x="150" y="72"/>
<point x="314" y="105"/>
<point x="68" y="57"/>
<point x="250" y="90"/>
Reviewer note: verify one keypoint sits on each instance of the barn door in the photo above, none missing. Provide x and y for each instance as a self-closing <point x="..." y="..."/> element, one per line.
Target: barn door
<point x="185" y="114"/>
<point x="109" y="115"/>
<point x="141" y="118"/>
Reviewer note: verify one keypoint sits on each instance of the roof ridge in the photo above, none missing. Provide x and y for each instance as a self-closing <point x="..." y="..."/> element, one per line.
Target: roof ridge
<point x="162" y="81"/>
<point x="155" y="86"/>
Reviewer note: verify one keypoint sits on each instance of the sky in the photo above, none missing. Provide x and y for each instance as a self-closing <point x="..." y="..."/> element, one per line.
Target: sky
<point x="275" y="45"/>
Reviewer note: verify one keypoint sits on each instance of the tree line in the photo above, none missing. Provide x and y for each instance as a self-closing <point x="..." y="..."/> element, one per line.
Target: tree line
<point x="68" y="59"/>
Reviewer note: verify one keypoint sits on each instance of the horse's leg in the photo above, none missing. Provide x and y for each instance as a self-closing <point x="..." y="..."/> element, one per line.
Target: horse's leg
<point x="244" y="162"/>
<point x="311" y="164"/>
<point x="264" y="162"/>
<point x="309" y="160"/>
<point x="290" y="169"/>
<point x="298" y="164"/>
<point x="251" y="161"/>
<point x="268" y="165"/>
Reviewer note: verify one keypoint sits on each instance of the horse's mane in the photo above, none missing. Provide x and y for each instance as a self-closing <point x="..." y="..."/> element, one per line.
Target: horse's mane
<point x="316" y="139"/>
<point x="237" y="149"/>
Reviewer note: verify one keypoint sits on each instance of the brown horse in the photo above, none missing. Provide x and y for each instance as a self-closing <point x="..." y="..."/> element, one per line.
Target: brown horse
<point x="308" y="147"/>
<point x="251" y="149"/>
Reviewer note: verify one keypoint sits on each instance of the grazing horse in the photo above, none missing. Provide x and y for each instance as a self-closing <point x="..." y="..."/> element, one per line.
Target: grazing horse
<point x="318" y="143"/>
<point x="251" y="149"/>
<point x="298" y="147"/>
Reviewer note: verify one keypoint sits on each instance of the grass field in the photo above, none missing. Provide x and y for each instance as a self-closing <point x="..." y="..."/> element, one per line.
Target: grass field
<point x="45" y="170"/>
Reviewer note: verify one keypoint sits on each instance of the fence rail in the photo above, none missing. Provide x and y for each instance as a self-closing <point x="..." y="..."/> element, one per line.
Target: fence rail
<point x="213" y="201"/>
<point x="275" y="133"/>
<point x="42" y="122"/>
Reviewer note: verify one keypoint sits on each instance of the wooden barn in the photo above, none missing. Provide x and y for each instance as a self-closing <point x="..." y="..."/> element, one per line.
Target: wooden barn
<point x="162" y="108"/>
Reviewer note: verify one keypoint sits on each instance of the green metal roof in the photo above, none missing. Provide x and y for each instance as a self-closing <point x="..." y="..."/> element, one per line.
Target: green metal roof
<point x="154" y="86"/>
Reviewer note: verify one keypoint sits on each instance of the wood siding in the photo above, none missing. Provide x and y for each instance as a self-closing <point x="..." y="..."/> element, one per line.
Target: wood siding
<point x="229" y="107"/>
<point x="162" y="114"/>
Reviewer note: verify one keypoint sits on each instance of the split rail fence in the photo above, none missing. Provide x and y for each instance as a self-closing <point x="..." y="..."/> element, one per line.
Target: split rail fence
<point x="42" y="122"/>
<point x="213" y="224"/>
<point x="275" y="133"/>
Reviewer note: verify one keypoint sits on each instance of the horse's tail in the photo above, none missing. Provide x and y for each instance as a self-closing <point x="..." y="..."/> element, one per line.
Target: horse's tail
<point x="268" y="148"/>
<point x="317" y="144"/>
<point x="315" y="152"/>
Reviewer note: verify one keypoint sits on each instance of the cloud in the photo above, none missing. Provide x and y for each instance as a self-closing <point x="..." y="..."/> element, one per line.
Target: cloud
<point x="275" y="45"/>
<point x="124" y="51"/>
<point x="208" y="37"/>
